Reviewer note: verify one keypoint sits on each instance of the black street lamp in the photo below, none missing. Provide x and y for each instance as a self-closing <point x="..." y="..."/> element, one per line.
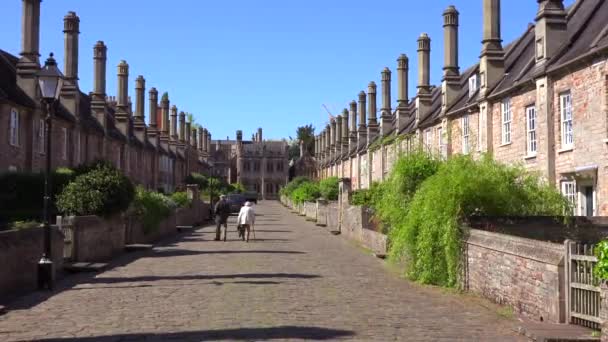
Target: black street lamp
<point x="50" y="80"/>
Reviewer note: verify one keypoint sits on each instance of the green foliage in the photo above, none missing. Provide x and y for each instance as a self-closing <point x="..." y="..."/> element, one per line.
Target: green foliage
<point x="101" y="191"/>
<point x="18" y="225"/>
<point x="397" y="191"/>
<point x="198" y="179"/>
<point x="181" y="199"/>
<point x="306" y="134"/>
<point x="428" y="235"/>
<point x="329" y="188"/>
<point x="306" y="192"/>
<point x="294" y="184"/>
<point x="361" y="197"/>
<point x="151" y="208"/>
<point x="238" y="188"/>
<point x="601" y="267"/>
<point x="213" y="189"/>
<point x="21" y="194"/>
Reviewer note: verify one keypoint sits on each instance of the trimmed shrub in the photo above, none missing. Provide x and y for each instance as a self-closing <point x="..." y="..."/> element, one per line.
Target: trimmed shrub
<point x="102" y="191"/>
<point x="197" y="178"/>
<point x="151" y="208"/>
<point x="329" y="188"/>
<point x="181" y="199"/>
<point x="428" y="236"/>
<point x="294" y="184"/>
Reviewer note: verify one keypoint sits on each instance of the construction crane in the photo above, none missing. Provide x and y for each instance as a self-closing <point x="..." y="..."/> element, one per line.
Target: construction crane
<point x="331" y="117"/>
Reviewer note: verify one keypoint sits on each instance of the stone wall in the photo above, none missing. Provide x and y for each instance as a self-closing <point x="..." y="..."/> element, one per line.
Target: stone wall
<point x="98" y="239"/>
<point x="527" y="275"/>
<point x="20" y="251"/>
<point x="310" y="210"/>
<point x="333" y="215"/>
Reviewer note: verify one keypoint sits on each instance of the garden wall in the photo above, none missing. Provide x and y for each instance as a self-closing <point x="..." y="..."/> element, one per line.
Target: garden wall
<point x="526" y="274"/>
<point x="310" y="211"/>
<point x="20" y="251"/>
<point x="96" y="238"/>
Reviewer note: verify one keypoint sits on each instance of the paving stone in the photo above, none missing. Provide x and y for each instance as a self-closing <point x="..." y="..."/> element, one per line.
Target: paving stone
<point x="292" y="283"/>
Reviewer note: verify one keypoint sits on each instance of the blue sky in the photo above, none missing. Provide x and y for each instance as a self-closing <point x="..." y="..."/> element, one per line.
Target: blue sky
<point x="268" y="63"/>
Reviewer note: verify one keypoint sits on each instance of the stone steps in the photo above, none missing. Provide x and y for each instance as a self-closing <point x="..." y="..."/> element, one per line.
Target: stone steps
<point x="551" y="332"/>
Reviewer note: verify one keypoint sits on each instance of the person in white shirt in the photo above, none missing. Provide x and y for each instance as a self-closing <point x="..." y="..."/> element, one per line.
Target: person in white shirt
<point x="246" y="218"/>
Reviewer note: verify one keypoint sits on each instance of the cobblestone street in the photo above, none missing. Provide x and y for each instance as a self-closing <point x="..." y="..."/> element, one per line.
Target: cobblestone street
<point x="295" y="281"/>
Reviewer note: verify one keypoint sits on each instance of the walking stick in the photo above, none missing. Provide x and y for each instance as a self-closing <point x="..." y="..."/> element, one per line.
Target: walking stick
<point x="253" y="230"/>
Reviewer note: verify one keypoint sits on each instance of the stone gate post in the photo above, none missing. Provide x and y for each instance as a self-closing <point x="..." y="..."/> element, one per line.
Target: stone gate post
<point x="344" y="198"/>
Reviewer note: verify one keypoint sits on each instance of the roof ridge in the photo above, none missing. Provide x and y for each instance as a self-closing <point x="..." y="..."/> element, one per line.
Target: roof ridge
<point x="518" y="41"/>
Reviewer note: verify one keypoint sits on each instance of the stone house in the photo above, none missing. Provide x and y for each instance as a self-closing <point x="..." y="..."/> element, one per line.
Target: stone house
<point x="540" y="101"/>
<point x="94" y="126"/>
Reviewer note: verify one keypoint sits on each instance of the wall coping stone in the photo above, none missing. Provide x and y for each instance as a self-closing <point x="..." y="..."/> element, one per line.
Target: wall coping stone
<point x="541" y="251"/>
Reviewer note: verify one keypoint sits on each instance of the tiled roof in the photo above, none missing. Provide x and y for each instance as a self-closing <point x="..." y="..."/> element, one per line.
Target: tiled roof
<point x="8" y="81"/>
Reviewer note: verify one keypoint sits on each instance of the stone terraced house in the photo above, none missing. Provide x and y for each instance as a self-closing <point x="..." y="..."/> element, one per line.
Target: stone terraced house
<point x="92" y="126"/>
<point x="540" y="101"/>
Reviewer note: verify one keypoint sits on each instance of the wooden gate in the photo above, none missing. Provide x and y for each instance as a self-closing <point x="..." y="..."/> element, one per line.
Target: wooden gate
<point x="583" y="291"/>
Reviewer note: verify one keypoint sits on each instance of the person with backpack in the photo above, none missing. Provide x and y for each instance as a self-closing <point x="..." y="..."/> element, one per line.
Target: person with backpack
<point x="222" y="212"/>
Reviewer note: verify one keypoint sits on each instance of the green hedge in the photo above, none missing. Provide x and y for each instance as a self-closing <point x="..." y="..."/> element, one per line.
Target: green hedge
<point x="151" y="208"/>
<point x="102" y="191"/>
<point x="329" y="188"/>
<point x="21" y="194"/>
<point x="181" y="199"/>
<point x="306" y="192"/>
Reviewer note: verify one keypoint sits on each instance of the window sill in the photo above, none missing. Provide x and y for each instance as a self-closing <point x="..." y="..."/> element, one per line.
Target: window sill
<point x="530" y="156"/>
<point x="566" y="149"/>
<point x="505" y="144"/>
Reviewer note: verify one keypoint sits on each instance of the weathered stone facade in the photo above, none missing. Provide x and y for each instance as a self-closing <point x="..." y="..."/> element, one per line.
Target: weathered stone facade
<point x="541" y="102"/>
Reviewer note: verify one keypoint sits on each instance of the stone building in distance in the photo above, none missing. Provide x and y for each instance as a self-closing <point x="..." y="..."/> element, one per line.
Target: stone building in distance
<point x="259" y="165"/>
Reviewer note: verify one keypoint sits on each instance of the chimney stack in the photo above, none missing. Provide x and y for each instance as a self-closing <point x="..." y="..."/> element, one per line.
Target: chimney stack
<point x="386" y="112"/>
<point x="491" y="66"/>
<point x="182" y="127"/>
<point x="260" y="134"/>
<point x="193" y="139"/>
<point x="188" y="132"/>
<point x="353" y="126"/>
<point x="450" y="84"/>
<point x="372" y="124"/>
<point x="153" y="98"/>
<point x="173" y="132"/>
<point x="200" y="137"/>
<point x="362" y="132"/>
<point x="29" y="63"/>
<point x="334" y="140"/>
<point x="345" y="133"/>
<point x="208" y="145"/>
<point x="71" y="29"/>
<point x="402" y="92"/>
<point x="164" y="120"/>
<point x="339" y="133"/>
<point x="98" y="97"/>
<point x="550" y="29"/>
<point x="140" y="88"/>
<point x="423" y="100"/>
<point x="123" y="86"/>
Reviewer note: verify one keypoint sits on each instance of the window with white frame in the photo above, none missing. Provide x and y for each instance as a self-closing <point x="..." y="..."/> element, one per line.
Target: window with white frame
<point x="64" y="148"/>
<point x="41" y="136"/>
<point x="440" y="143"/>
<point x="565" y="101"/>
<point x="506" y="121"/>
<point x="531" y="130"/>
<point x="14" y="128"/>
<point x="465" y="134"/>
<point x="473" y="84"/>
<point x="428" y="139"/>
<point x="569" y="191"/>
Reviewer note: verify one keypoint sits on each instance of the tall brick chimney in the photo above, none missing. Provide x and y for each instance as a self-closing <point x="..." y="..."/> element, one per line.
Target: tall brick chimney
<point x="334" y="140"/>
<point x="173" y="131"/>
<point x="193" y="139"/>
<point x="339" y="133"/>
<point x="362" y="131"/>
<point x="139" y="123"/>
<point x="345" y="138"/>
<point x="402" y="92"/>
<point x="550" y="29"/>
<point x="423" y="99"/>
<point x="492" y="64"/>
<point x="372" y="124"/>
<point x="200" y="136"/>
<point x="451" y="71"/>
<point x="153" y="99"/>
<point x="98" y="97"/>
<point x="260" y="138"/>
<point x="164" y="120"/>
<point x="182" y="127"/>
<point x="208" y="144"/>
<point x="188" y="133"/>
<point x="70" y="94"/>
<point x="386" y="114"/>
<point x="29" y="63"/>
<point x="122" y="108"/>
<point x="352" y="136"/>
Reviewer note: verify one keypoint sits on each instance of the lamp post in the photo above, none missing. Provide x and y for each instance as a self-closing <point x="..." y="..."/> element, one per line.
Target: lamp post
<point x="50" y="80"/>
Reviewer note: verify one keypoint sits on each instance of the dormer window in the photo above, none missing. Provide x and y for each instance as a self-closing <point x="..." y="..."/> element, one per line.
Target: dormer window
<point x="473" y="84"/>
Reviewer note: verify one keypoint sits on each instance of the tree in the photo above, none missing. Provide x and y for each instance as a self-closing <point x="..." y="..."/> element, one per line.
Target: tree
<point x="307" y="135"/>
